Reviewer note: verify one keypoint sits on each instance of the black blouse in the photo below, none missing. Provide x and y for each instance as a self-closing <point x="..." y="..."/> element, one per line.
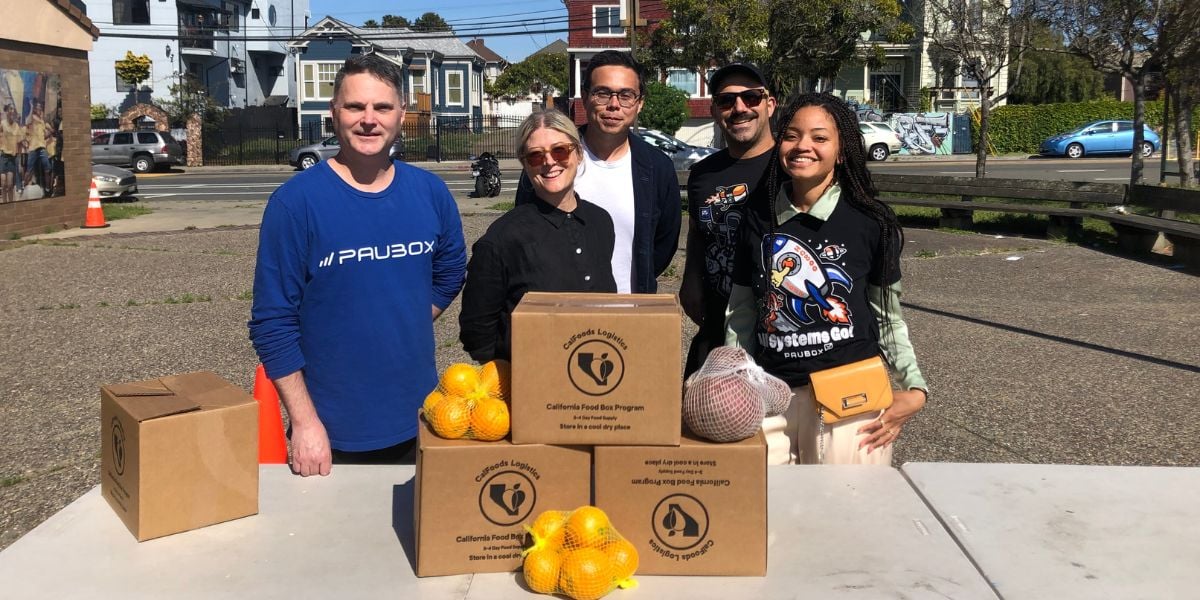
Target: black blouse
<point x="533" y="247"/>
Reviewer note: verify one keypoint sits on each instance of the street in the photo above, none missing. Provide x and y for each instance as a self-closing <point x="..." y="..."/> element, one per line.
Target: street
<point x="232" y="185"/>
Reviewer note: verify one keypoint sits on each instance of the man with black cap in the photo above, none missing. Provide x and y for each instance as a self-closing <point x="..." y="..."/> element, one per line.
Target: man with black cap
<point x="719" y="190"/>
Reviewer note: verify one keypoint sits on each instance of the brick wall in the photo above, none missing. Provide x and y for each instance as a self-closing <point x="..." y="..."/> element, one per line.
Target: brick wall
<point x="36" y="216"/>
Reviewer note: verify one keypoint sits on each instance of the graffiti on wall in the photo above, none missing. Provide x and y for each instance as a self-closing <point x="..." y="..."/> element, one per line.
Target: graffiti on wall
<point x="31" y="165"/>
<point x="924" y="133"/>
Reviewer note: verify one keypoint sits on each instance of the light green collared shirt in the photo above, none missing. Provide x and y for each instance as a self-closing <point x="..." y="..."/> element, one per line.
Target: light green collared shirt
<point x="897" y="348"/>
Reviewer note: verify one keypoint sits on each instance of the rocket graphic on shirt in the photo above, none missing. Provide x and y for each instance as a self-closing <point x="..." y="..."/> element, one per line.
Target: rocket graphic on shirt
<point x="802" y="286"/>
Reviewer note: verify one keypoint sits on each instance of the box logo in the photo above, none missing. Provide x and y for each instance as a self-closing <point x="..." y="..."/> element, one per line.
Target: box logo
<point x="680" y="521"/>
<point x="118" y="446"/>
<point x="596" y="367"/>
<point x="507" y="498"/>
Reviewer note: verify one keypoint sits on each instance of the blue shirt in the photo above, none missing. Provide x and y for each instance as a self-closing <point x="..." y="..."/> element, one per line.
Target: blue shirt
<point x="343" y="288"/>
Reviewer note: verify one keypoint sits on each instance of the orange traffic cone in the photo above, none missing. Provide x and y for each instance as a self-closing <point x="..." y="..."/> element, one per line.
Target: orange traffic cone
<point x="272" y="445"/>
<point x="95" y="213"/>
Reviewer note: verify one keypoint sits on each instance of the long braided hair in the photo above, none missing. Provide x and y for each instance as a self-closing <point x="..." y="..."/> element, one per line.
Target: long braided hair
<point x="850" y="173"/>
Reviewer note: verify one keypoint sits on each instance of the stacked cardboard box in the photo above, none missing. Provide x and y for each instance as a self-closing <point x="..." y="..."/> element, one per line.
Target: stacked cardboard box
<point x="596" y="388"/>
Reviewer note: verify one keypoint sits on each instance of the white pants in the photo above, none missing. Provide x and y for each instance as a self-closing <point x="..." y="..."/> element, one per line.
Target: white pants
<point x="792" y="436"/>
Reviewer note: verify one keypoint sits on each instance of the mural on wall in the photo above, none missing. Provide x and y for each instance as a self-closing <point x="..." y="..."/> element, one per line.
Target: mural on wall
<point x="31" y="165"/>
<point x="924" y="133"/>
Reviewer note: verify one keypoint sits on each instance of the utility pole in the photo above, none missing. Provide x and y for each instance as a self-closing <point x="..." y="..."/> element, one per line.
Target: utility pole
<point x="633" y="19"/>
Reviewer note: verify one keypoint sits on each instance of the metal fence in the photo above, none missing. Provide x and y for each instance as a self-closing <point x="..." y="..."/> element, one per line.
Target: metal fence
<point x="440" y="137"/>
<point x="248" y="146"/>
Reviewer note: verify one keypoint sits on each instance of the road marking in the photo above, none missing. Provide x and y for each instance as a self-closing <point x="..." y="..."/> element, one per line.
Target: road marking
<point x="204" y="194"/>
<point x="1112" y="179"/>
<point x="957" y="172"/>
<point x="1082" y="170"/>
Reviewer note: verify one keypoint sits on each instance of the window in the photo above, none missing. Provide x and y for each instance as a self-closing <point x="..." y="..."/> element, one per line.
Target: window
<point x="318" y="80"/>
<point x="416" y="83"/>
<point x="454" y="88"/>
<point x="708" y="77"/>
<point x="1124" y="125"/>
<point x="125" y="86"/>
<point x="122" y="138"/>
<point x="131" y="12"/>
<point x="949" y="80"/>
<point x="146" y="137"/>
<point x="685" y="80"/>
<point x="101" y="139"/>
<point x="606" y="21"/>
<point x="969" y="81"/>
<point x="230" y="17"/>
<point x="254" y="14"/>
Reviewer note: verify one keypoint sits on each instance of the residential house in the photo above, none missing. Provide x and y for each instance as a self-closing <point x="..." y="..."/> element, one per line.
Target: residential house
<point x="493" y="66"/>
<point x="911" y="69"/>
<point x="442" y="69"/>
<point x="234" y="49"/>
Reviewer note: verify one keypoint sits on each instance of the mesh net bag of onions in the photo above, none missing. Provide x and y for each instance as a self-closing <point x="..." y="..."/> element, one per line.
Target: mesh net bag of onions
<point x="727" y="399"/>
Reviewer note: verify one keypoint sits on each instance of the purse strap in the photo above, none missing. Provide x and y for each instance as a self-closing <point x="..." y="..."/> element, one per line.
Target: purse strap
<point x="820" y="434"/>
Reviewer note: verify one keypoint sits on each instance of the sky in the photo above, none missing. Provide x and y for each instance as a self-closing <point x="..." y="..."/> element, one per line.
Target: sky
<point x="520" y="21"/>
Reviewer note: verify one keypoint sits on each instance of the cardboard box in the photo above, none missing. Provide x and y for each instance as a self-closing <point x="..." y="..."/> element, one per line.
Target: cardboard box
<point x="179" y="453"/>
<point x="596" y="369"/>
<point x="696" y="509"/>
<point x="473" y="498"/>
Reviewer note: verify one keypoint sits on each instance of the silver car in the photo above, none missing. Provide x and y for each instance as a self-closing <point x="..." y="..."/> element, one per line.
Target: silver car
<point x="113" y="182"/>
<point x="304" y="157"/>
<point x="879" y="139"/>
<point x="143" y="150"/>
<point x="683" y="155"/>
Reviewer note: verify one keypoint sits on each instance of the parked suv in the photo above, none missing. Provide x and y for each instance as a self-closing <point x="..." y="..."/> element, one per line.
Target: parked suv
<point x="143" y="150"/>
<point x="879" y="139"/>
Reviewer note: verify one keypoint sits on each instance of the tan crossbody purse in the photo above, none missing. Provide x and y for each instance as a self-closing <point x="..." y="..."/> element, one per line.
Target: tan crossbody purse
<point x="852" y="389"/>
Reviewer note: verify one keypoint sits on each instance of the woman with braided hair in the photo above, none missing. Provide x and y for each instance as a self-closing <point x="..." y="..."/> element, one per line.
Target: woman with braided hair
<point x="817" y="286"/>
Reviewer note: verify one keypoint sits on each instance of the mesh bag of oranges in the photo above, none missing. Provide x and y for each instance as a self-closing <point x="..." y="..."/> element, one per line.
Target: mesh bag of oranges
<point x="578" y="554"/>
<point x="470" y="402"/>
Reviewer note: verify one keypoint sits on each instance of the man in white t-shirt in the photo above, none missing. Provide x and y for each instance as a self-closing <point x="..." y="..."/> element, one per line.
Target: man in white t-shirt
<point x="632" y="180"/>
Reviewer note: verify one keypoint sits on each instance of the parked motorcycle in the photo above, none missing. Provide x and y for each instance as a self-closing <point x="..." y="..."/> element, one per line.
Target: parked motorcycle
<point x="486" y="171"/>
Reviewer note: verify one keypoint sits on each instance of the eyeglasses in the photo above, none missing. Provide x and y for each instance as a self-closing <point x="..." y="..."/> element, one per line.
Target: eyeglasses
<point x="559" y="153"/>
<point x="751" y="98"/>
<point x="625" y="97"/>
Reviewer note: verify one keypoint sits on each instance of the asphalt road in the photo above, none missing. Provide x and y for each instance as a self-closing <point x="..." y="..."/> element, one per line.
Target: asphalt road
<point x="1100" y="170"/>
<point x="258" y="185"/>
<point x="226" y="185"/>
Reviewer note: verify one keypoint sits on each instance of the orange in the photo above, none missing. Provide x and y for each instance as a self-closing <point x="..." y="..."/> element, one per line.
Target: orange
<point x="432" y="400"/>
<point x="587" y="527"/>
<point x="587" y="574"/>
<point x="542" y="568"/>
<point x="450" y="418"/>
<point x="489" y="420"/>
<point x="624" y="558"/>
<point x="547" y="529"/>
<point x="459" y="379"/>
<point x="495" y="377"/>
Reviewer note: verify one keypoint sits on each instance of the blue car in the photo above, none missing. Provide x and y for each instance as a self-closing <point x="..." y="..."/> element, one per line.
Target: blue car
<point x="1100" y="137"/>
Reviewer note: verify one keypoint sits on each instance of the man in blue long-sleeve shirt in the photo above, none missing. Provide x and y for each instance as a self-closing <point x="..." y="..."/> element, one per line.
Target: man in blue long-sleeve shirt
<point x="356" y="257"/>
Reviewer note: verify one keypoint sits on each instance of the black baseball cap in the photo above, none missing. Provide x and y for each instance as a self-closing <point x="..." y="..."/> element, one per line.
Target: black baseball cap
<point x="718" y="79"/>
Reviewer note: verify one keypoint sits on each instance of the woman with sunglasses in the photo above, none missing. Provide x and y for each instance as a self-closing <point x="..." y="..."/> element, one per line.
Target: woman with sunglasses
<point x="557" y="243"/>
<point x="816" y="285"/>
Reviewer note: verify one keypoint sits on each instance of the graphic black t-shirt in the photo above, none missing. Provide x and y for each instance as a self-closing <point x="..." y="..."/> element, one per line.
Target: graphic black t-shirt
<point x="810" y="286"/>
<point x="719" y="192"/>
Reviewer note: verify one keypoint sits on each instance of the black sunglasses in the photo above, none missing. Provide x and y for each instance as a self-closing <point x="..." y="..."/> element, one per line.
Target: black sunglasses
<point x="559" y="153"/>
<point x="751" y="98"/>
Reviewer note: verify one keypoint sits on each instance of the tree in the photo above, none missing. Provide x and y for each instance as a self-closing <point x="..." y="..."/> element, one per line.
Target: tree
<point x="188" y="97"/>
<point x="981" y="39"/>
<point x="134" y="69"/>
<point x="811" y="40"/>
<point x="1129" y="38"/>
<point x="1050" y="75"/>
<point x="1183" y="87"/>
<point x="665" y="108"/>
<point x="537" y="74"/>
<point x="397" y="21"/>
<point x="430" y="22"/>
<point x="388" y="21"/>
<point x="700" y="31"/>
